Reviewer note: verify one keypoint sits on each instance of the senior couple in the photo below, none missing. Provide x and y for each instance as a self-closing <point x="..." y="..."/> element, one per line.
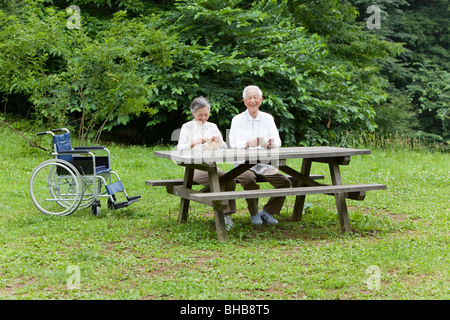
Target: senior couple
<point x="247" y="129"/>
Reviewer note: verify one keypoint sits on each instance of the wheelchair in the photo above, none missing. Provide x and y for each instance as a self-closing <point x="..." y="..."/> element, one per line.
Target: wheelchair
<point x="75" y="178"/>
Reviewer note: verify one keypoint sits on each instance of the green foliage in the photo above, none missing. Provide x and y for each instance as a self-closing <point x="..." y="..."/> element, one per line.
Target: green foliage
<point x="396" y="115"/>
<point x="322" y="71"/>
<point x="420" y="75"/>
<point x="312" y="92"/>
<point x="429" y="61"/>
<point x="69" y="76"/>
<point x="430" y="93"/>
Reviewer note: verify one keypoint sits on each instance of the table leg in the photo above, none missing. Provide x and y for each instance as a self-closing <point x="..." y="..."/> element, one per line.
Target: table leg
<point x="218" y="213"/>
<point x="184" y="204"/>
<point x="341" y="204"/>
<point x="300" y="200"/>
<point x="232" y="174"/>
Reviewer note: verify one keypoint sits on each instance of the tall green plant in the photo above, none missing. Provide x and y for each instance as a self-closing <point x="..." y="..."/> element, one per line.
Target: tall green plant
<point x="93" y="83"/>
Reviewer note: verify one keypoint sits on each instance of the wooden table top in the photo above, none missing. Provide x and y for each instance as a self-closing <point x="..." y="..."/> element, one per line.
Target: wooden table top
<point x="263" y="155"/>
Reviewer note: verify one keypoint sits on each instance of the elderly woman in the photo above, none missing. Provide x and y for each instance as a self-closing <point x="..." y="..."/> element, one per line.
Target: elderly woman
<point x="199" y="133"/>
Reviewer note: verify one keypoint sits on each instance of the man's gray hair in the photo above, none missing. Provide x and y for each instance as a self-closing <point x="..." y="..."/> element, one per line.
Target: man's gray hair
<point x="200" y="102"/>
<point x="244" y="93"/>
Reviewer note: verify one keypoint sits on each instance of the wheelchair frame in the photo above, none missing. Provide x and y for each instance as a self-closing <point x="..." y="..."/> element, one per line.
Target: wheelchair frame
<point x="74" y="179"/>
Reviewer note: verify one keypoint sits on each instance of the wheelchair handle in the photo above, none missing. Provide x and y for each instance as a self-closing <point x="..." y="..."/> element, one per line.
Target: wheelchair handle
<point x="60" y="129"/>
<point x="51" y="132"/>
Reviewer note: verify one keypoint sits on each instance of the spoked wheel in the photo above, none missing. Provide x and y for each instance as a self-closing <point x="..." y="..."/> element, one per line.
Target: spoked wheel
<point x="56" y="187"/>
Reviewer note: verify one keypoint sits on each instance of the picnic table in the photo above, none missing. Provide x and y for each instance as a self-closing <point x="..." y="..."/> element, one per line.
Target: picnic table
<point x="303" y="182"/>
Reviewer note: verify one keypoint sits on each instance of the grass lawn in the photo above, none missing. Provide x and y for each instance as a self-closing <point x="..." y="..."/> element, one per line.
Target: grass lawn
<point x="399" y="248"/>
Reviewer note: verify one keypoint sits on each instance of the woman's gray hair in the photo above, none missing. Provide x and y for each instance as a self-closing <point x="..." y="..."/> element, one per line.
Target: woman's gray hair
<point x="200" y="102"/>
<point x="244" y="93"/>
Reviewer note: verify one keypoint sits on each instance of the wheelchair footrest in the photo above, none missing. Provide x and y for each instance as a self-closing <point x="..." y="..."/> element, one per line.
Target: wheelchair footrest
<point x="123" y="204"/>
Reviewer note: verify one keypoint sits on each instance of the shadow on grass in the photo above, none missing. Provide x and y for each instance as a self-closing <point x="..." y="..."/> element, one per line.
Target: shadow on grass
<point x="317" y="223"/>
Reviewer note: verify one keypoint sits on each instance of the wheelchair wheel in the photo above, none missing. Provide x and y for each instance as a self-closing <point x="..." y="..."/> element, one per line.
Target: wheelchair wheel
<point x="56" y="187"/>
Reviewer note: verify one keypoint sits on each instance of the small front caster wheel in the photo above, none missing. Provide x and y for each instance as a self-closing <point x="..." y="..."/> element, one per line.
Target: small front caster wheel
<point x="111" y="203"/>
<point x="95" y="209"/>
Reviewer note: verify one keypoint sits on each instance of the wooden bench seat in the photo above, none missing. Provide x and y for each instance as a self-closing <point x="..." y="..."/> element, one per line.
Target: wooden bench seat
<point x="179" y="182"/>
<point x="171" y="183"/>
<point x="296" y="191"/>
<point x="165" y="183"/>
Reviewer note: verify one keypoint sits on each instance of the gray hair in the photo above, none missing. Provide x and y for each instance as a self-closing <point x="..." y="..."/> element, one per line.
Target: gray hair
<point x="244" y="93"/>
<point x="200" y="102"/>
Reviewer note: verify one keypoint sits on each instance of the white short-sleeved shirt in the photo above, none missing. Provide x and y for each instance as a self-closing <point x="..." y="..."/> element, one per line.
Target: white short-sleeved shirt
<point x="244" y="128"/>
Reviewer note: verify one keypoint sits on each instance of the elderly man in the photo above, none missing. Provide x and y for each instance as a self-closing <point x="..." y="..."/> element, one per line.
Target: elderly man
<point x="256" y="129"/>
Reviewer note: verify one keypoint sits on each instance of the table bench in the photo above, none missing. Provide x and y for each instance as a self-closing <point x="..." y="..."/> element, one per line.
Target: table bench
<point x="174" y="186"/>
<point x="303" y="183"/>
<point x="179" y="182"/>
<point x="296" y="191"/>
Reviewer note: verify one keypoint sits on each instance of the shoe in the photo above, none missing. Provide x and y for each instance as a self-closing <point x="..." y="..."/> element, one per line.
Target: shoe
<point x="256" y="220"/>
<point x="267" y="218"/>
<point x="228" y="222"/>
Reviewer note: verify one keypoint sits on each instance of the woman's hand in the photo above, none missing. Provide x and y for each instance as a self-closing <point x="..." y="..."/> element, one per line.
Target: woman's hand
<point x="197" y="141"/>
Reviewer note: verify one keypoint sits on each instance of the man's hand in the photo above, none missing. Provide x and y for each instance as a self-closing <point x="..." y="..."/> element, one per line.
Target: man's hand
<point x="252" y="143"/>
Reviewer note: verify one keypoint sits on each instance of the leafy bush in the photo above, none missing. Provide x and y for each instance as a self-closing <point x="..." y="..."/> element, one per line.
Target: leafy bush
<point x="68" y="75"/>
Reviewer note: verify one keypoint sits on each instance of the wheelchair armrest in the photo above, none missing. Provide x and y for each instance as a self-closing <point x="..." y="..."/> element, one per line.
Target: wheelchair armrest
<point x="72" y="151"/>
<point x="90" y="148"/>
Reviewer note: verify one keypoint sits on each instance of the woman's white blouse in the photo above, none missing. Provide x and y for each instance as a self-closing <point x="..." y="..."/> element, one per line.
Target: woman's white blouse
<point x="193" y="130"/>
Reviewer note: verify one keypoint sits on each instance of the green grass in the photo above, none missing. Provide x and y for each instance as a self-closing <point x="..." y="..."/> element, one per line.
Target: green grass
<point x="141" y="252"/>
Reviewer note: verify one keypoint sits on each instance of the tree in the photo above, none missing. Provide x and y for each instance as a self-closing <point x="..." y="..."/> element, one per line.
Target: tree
<point x="93" y="83"/>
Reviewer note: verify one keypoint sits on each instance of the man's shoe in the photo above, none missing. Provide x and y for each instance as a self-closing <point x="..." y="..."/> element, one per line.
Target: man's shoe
<point x="267" y="218"/>
<point x="228" y="222"/>
<point x="256" y="220"/>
